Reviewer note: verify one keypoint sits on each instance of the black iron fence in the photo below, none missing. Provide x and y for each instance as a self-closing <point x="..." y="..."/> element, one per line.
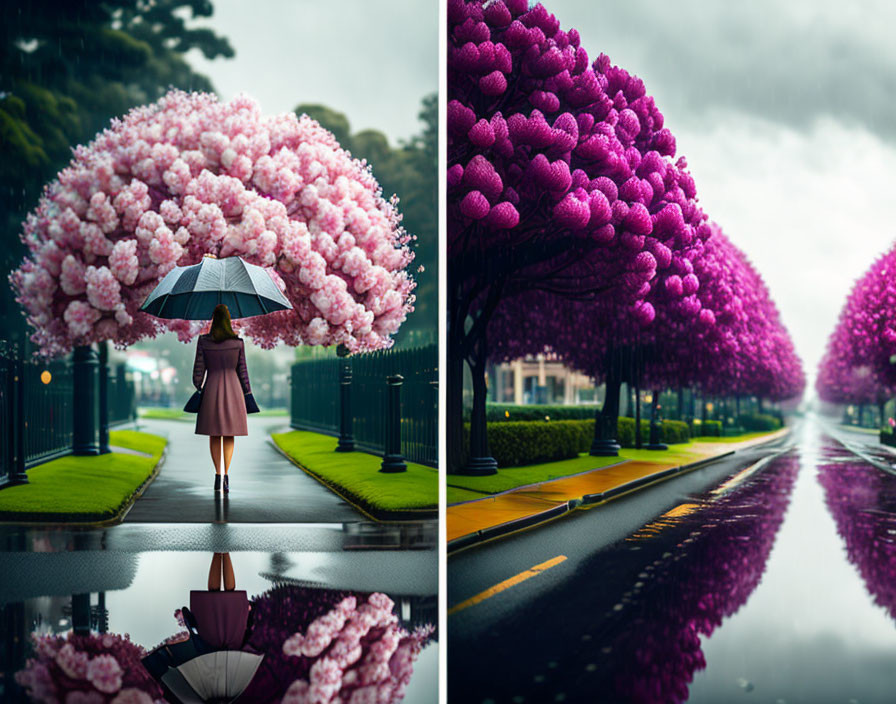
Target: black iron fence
<point x="315" y="399"/>
<point x="37" y="408"/>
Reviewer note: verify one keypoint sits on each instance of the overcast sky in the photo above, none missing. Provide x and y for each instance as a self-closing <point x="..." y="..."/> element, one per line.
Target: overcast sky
<point x="786" y="114"/>
<point x="373" y="61"/>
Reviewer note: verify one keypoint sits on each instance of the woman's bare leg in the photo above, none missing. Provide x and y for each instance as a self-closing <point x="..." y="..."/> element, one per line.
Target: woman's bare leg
<point x="214" y="445"/>
<point x="228" y="451"/>
<point x="214" y="573"/>
<point x="227" y="569"/>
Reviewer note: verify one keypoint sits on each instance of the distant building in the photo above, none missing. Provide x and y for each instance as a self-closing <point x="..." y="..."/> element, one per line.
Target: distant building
<point x="540" y="379"/>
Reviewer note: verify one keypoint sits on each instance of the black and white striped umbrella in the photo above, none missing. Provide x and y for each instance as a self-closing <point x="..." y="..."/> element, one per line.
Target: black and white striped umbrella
<point x="192" y="292"/>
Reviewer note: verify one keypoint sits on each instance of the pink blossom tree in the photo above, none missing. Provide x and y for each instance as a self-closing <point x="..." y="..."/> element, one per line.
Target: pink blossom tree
<point x="189" y="176"/>
<point x="724" y="337"/>
<point x="560" y="178"/>
<point x="857" y="366"/>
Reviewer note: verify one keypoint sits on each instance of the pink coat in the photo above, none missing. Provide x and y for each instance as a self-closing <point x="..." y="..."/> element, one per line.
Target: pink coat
<point x="223" y="407"/>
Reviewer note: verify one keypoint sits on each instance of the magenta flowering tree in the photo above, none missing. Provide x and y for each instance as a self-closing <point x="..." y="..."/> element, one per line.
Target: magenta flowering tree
<point x="723" y="337"/>
<point x="857" y="367"/>
<point x="189" y="176"/>
<point x="560" y="179"/>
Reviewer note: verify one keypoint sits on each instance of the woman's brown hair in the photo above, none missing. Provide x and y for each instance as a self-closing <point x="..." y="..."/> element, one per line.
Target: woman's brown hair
<point x="221" y="328"/>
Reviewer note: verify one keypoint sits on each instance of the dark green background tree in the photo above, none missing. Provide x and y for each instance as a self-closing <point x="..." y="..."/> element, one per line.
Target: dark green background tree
<point x="69" y="66"/>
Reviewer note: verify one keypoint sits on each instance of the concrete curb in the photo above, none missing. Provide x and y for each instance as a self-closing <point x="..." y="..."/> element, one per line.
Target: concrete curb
<point x="503" y="529"/>
<point x="380" y="516"/>
<point x="589" y="500"/>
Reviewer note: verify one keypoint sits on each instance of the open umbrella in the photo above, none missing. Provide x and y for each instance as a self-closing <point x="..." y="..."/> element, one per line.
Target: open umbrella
<point x="192" y="292"/>
<point x="219" y="676"/>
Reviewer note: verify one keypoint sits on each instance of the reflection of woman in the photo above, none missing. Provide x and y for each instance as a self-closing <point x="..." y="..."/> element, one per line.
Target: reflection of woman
<point x="221" y="360"/>
<point x="221" y="615"/>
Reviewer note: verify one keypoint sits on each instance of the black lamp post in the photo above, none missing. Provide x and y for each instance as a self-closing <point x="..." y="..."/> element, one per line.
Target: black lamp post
<point x="655" y="426"/>
<point x="86" y="433"/>
<point x="104" y="397"/>
<point x="393" y="460"/>
<point x="17" y="416"/>
<point x="346" y="430"/>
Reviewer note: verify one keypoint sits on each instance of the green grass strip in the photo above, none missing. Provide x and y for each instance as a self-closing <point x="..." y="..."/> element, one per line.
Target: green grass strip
<point x="462" y="488"/>
<point x="84" y="488"/>
<point x="357" y="474"/>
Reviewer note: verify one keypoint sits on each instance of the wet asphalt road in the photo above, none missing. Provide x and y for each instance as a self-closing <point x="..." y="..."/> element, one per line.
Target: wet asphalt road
<point x="718" y="586"/>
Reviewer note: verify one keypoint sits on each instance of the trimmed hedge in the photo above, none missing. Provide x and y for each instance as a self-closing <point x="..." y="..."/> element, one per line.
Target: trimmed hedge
<point x="521" y="443"/>
<point x="758" y="422"/>
<point x="675" y="431"/>
<point x="708" y="428"/>
<point x="507" y="412"/>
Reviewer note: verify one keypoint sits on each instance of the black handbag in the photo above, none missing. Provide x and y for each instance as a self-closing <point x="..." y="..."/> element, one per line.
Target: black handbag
<point x="194" y="402"/>
<point x="251" y="406"/>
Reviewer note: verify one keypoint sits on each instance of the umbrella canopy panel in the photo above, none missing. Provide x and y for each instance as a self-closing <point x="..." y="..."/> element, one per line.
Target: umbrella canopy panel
<point x="192" y="292"/>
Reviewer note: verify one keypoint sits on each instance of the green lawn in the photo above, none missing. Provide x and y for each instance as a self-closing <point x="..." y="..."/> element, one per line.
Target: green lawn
<point x="356" y="475"/>
<point x="84" y="488"/>
<point x="178" y="414"/>
<point x="461" y="488"/>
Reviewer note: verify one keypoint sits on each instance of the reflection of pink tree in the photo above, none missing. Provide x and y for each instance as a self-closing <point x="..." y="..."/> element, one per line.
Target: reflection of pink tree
<point x="188" y="176"/>
<point x="87" y="669"/>
<point x="560" y="178"/>
<point x="325" y="646"/>
<point x="658" y="651"/>
<point x="856" y="367"/>
<point x="862" y="500"/>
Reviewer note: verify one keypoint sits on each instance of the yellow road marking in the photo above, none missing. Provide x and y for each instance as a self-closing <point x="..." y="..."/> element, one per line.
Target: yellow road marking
<point x="507" y="583"/>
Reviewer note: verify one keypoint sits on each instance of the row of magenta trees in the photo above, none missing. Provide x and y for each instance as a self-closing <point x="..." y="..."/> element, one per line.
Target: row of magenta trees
<point x="859" y="365"/>
<point x="572" y="227"/>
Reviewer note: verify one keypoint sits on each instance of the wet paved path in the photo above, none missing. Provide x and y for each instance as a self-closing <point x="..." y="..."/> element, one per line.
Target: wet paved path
<point x="265" y="486"/>
<point x="752" y="580"/>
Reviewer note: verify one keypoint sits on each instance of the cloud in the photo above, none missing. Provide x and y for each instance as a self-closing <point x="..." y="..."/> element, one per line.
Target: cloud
<point x="372" y="61"/>
<point x="789" y="62"/>
<point x="811" y="208"/>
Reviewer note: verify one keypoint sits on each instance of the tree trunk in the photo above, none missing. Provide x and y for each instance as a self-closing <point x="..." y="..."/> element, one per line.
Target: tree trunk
<point x="454" y="408"/>
<point x="606" y="420"/>
<point x="480" y="461"/>
<point x="639" y="443"/>
<point x="680" y="406"/>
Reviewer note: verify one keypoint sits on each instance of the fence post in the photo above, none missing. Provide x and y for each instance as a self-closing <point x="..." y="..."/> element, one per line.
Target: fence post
<point x="393" y="461"/>
<point x="104" y="397"/>
<point x="85" y="365"/>
<point x="346" y="431"/>
<point x="17" y="470"/>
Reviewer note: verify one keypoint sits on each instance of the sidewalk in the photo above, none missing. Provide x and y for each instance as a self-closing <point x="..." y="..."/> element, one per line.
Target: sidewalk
<point x="265" y="486"/>
<point x="470" y="522"/>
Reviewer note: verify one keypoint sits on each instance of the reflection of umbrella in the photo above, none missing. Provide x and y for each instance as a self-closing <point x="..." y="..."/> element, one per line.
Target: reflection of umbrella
<point x="192" y="292"/>
<point x="219" y="676"/>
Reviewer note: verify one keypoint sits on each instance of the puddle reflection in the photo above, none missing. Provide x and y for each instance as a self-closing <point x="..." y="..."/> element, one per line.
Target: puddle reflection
<point x="862" y="501"/>
<point x="192" y="627"/>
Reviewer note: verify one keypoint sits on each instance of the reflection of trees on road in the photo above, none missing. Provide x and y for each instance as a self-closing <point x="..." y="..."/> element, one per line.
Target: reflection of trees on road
<point x="707" y="576"/>
<point x="862" y="501"/>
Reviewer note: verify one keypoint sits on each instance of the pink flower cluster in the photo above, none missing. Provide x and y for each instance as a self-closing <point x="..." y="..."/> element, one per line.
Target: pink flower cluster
<point x="187" y="176"/>
<point x="363" y="656"/>
<point x="87" y="669"/>
<point x="856" y="367"/>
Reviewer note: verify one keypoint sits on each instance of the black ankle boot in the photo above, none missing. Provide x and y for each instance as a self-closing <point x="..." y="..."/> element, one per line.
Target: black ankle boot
<point x="226" y="483"/>
<point x="217" y="482"/>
